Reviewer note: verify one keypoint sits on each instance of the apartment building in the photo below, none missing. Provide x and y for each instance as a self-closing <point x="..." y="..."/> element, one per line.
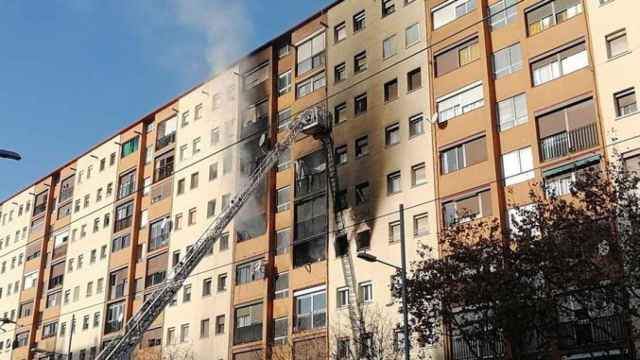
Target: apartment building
<point x="453" y="108"/>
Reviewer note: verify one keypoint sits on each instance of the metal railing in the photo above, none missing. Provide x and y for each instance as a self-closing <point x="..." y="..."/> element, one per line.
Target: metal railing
<point x="122" y="224"/>
<point x="247" y="334"/>
<point x="473" y="349"/>
<point x="164" y="171"/>
<point x="601" y="330"/>
<point x="125" y="190"/>
<point x="562" y="144"/>
<point x="165" y="140"/>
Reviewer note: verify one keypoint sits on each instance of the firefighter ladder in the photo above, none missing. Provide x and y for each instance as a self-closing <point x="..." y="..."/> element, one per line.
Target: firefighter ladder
<point x="309" y="122"/>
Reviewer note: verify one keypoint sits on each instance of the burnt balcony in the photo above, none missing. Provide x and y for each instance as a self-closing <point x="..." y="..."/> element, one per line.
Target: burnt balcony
<point x="165" y="140"/>
<point x="245" y="334"/>
<point x="311" y="184"/>
<point x="570" y="141"/>
<point x="582" y="333"/>
<point x="122" y="224"/>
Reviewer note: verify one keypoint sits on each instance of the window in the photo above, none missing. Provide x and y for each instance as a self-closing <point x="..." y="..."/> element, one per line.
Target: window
<point x="49" y="330"/>
<point x="215" y="136"/>
<point x="342" y="297"/>
<point x="129" y="147"/>
<point x="512" y="112"/>
<point x="360" y="104"/>
<point x="360" y="62"/>
<point x="449" y="11"/>
<point x="211" y="208"/>
<point x="310" y="85"/>
<point x="184" y="333"/>
<point x="393" y="183"/>
<point x="186" y="293"/>
<point x="185" y="118"/>
<point x="282" y="241"/>
<point x="127" y="184"/>
<point x="559" y="64"/>
<point x="365" y="292"/>
<point x="195" y="146"/>
<point x="194" y="181"/>
<point x="284" y="118"/>
<point x="559" y="180"/>
<point x="457" y="56"/>
<point x="29" y="280"/>
<point x="257" y="75"/>
<point x="362" y="146"/>
<point x="359" y="21"/>
<point x="284" y="83"/>
<point x="219" y="324"/>
<point x="421" y="224"/>
<point x="502" y="13"/>
<point x="124" y="214"/>
<point x="197" y="112"/>
<point x="171" y="336"/>
<point x="280" y="330"/>
<point x="311" y="54"/>
<point x="388" y="7"/>
<point x="159" y="233"/>
<point x="284" y="160"/>
<point x="517" y="166"/>
<point x="507" y="61"/>
<point x="281" y="287"/>
<point x="625" y="102"/>
<point x="340" y="32"/>
<point x="389" y="47"/>
<point x="282" y="199"/>
<point x="164" y="166"/>
<point x="416" y="125"/>
<point x="463" y="155"/>
<point x="177" y="223"/>
<point x="227" y="162"/>
<point x="213" y="171"/>
<point x="311" y="309"/>
<point x="418" y="174"/>
<point x="551" y="13"/>
<point x="283" y="51"/>
<point x="249" y="272"/>
<point x="460" y="101"/>
<point x="340" y="72"/>
<point x="467" y="208"/>
<point x="144" y="218"/>
<point x="414" y="80"/>
<point x="617" y="43"/>
<point x="392" y="134"/>
<point x="568" y="129"/>
<point x="248" y="324"/>
<point x="206" y="286"/>
<point x="222" y="282"/>
<point x="193" y="212"/>
<point x="183" y="152"/>
<point x="391" y="90"/>
<point x="340" y="113"/>
<point x="204" y="328"/>
<point x="394" y="231"/>
<point x="119" y="243"/>
<point x="341" y="154"/>
<point x="362" y="193"/>
<point x="412" y="34"/>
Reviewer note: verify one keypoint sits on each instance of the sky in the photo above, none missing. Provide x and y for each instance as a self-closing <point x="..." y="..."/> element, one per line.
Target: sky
<point x="73" y="72"/>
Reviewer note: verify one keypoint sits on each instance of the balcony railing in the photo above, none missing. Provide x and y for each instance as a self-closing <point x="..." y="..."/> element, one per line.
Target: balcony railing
<point x="599" y="331"/>
<point x="562" y="144"/>
<point x="39" y="209"/>
<point x="472" y="349"/>
<point x="310" y="184"/>
<point x="56" y="281"/>
<point x="111" y="326"/>
<point x="165" y="140"/>
<point x="122" y="224"/>
<point x="247" y="334"/>
<point x="164" y="171"/>
<point x="125" y="190"/>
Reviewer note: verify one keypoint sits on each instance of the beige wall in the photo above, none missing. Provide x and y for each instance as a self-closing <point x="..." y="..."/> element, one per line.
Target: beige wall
<point x="13" y="253"/>
<point x="382" y="159"/>
<point x="615" y="74"/>
<point x="79" y="277"/>
<point x="218" y="303"/>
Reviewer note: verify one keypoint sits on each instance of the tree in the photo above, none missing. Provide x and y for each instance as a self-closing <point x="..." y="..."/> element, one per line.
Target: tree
<point x="563" y="276"/>
<point x="165" y="353"/>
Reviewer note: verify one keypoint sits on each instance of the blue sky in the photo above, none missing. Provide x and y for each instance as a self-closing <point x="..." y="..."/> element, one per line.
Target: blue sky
<point x="75" y="71"/>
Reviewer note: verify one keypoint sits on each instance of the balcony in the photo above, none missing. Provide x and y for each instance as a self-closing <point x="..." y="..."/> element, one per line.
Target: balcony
<point x="567" y="142"/>
<point x="117" y="291"/>
<point x="311" y="184"/>
<point x="56" y="281"/>
<point x="65" y="194"/>
<point x="472" y="349"/>
<point x="591" y="332"/>
<point x="125" y="190"/>
<point x="112" y="326"/>
<point x="122" y="224"/>
<point x="158" y="241"/>
<point x="165" y="140"/>
<point x="165" y="171"/>
<point x="247" y="334"/>
<point x="39" y="209"/>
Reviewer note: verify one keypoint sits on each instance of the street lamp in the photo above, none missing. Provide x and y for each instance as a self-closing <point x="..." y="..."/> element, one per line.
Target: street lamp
<point x="12" y="155"/>
<point x="403" y="272"/>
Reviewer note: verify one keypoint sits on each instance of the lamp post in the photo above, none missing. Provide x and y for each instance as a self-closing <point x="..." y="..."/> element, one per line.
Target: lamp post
<point x="403" y="273"/>
<point x="12" y="155"/>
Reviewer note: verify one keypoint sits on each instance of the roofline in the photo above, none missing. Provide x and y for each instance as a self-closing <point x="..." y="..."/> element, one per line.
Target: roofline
<point x="174" y="99"/>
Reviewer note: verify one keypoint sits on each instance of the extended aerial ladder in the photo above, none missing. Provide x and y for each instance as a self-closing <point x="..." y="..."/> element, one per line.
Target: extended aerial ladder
<point x="313" y="122"/>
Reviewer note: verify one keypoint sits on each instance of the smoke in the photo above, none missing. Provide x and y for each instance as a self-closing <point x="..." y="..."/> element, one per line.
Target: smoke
<point x="224" y="25"/>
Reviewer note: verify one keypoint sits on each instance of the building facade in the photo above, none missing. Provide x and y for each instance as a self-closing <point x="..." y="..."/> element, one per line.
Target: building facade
<point x="452" y="108"/>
